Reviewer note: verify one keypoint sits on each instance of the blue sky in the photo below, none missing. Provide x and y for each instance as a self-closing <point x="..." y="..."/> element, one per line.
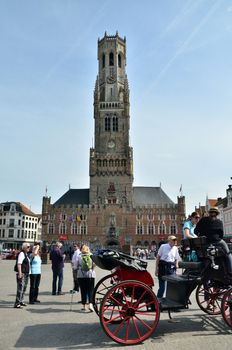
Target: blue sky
<point x="179" y="69"/>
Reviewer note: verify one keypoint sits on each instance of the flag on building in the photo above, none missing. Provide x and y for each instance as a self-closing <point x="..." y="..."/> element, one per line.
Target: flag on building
<point x="78" y="219"/>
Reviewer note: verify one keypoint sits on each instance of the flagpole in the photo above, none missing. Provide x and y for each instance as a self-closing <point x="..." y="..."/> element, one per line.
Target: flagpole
<point x="181" y="191"/>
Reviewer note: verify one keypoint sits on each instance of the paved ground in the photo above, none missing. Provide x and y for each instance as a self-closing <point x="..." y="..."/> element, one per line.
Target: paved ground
<point x="51" y="324"/>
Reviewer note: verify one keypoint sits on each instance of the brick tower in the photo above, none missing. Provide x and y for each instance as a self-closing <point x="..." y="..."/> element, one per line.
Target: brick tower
<point x="111" y="158"/>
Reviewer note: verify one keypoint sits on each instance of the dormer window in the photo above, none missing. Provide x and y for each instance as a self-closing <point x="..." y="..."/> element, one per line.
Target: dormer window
<point x="13" y="207"/>
<point x="111" y="59"/>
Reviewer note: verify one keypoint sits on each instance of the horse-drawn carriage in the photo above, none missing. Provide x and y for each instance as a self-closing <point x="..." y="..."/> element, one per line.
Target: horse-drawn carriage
<point x="128" y="308"/>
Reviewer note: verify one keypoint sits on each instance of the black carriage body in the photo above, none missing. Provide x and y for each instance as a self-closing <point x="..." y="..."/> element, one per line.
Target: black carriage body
<point x="125" y="267"/>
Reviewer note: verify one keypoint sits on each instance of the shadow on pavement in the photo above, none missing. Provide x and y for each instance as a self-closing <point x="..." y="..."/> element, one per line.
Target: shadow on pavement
<point x="87" y="336"/>
<point x="64" y="336"/>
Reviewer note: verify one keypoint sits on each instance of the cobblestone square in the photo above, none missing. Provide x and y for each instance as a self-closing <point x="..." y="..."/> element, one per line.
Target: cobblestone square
<point x="51" y="324"/>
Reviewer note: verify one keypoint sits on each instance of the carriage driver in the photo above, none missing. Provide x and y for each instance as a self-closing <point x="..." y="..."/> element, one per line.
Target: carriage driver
<point x="166" y="262"/>
<point x="212" y="227"/>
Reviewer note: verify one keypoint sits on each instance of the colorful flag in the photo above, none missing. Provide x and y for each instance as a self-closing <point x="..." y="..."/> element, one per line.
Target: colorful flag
<point x="78" y="219"/>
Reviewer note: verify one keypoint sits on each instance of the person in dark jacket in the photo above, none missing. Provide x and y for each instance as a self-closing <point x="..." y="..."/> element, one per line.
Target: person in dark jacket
<point x="212" y="228"/>
<point x="22" y="276"/>
<point x="57" y="258"/>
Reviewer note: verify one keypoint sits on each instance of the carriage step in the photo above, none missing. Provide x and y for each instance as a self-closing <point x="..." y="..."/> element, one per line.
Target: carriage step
<point x="168" y="304"/>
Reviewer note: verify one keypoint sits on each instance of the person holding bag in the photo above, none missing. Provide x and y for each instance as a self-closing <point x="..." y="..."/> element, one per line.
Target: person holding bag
<point x="86" y="277"/>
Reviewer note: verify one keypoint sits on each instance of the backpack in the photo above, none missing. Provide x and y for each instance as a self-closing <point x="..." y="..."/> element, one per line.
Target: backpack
<point x="86" y="262"/>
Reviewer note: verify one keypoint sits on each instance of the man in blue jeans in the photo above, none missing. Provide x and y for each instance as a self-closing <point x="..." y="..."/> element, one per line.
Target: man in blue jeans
<point x="166" y="262"/>
<point x="57" y="258"/>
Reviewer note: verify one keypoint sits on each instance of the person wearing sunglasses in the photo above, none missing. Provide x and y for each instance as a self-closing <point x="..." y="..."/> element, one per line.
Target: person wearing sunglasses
<point x="212" y="228"/>
<point x="189" y="225"/>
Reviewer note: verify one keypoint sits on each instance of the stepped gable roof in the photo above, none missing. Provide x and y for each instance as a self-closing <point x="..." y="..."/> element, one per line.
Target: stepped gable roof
<point x="74" y="196"/>
<point x="150" y="196"/>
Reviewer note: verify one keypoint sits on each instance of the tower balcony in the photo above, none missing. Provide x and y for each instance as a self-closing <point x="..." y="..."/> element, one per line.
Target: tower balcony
<point x="111" y="105"/>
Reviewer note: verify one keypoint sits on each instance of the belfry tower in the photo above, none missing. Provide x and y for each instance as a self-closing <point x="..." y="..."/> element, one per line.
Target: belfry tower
<point x="111" y="158"/>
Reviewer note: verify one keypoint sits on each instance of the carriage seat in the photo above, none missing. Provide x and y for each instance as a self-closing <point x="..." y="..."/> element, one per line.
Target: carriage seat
<point x="178" y="290"/>
<point x="191" y="265"/>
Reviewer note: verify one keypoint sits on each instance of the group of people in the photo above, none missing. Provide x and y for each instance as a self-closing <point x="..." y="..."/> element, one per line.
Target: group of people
<point x="28" y="266"/>
<point x="209" y="226"/>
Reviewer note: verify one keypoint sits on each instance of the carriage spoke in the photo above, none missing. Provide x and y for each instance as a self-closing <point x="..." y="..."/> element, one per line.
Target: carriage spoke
<point x="136" y="328"/>
<point x="125" y="297"/>
<point x="120" y="326"/>
<point x="143" y="322"/>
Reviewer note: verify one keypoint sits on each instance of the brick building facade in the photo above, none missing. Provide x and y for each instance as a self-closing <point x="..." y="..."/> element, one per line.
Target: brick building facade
<point x="112" y="212"/>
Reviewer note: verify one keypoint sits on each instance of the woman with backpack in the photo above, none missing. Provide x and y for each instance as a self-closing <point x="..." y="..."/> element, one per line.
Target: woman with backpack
<point x="86" y="277"/>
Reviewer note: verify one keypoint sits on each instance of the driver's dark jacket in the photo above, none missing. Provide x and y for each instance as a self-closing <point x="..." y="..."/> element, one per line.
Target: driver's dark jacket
<point x="212" y="229"/>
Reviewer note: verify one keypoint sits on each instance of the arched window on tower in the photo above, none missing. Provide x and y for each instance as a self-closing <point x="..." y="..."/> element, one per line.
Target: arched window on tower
<point x="111" y="59"/>
<point x="103" y="60"/>
<point x="119" y="61"/>
<point x="115" y="123"/>
<point x="107" y="123"/>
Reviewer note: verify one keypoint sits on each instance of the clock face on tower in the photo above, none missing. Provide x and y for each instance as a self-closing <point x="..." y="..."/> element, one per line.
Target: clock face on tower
<point x="111" y="144"/>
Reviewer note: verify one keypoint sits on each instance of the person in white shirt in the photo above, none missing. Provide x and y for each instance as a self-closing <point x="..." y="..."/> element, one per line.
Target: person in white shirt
<point x="166" y="262"/>
<point x="74" y="267"/>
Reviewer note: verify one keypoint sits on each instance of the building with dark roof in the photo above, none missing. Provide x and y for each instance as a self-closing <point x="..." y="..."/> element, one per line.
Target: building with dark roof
<point x="112" y="212"/>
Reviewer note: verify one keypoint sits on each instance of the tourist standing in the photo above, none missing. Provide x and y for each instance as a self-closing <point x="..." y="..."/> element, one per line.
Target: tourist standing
<point x="86" y="277"/>
<point x="35" y="275"/>
<point x="57" y="258"/>
<point x="22" y="275"/>
<point x="166" y="262"/>
<point x="74" y="262"/>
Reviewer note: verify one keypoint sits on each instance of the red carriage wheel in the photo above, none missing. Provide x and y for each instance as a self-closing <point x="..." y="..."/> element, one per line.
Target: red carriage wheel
<point x="227" y="307"/>
<point x="100" y="290"/>
<point x="209" y="298"/>
<point x="129" y="312"/>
